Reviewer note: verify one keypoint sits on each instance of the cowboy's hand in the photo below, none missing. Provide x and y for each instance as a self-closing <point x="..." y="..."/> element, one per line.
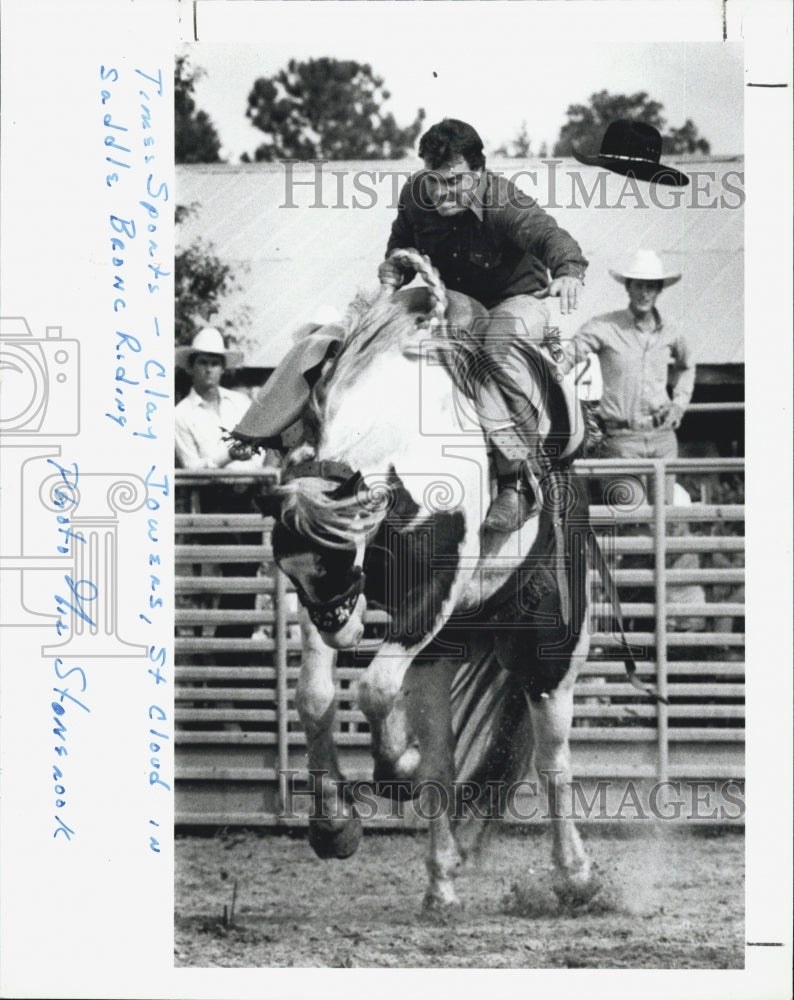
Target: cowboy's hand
<point x="673" y="417"/>
<point x="567" y="289"/>
<point x="391" y="272"/>
<point x="240" y="452"/>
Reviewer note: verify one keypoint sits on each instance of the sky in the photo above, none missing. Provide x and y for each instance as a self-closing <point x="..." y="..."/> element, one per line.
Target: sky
<point x="491" y="64"/>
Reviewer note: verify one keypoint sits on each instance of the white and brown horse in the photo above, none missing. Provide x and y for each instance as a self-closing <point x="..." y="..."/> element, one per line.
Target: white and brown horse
<point x="475" y="676"/>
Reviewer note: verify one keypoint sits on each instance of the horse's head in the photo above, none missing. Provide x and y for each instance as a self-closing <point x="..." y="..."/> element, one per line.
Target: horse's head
<point x="324" y="523"/>
<point x="329" y="584"/>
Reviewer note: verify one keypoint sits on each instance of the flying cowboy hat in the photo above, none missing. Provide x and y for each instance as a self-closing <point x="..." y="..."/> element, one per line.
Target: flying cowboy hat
<point x="208" y="341"/>
<point x="633" y="149"/>
<point x="646" y="266"/>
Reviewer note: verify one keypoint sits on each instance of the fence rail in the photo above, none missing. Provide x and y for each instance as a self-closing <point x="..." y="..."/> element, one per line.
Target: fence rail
<point x="679" y="571"/>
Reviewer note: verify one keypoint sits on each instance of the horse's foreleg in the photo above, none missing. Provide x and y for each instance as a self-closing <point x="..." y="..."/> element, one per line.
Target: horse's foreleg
<point x="551" y="725"/>
<point x="334" y="828"/>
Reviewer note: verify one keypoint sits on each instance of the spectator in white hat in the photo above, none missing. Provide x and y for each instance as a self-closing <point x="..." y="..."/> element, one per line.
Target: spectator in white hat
<point x="209" y="410"/>
<point x="202" y="421"/>
<point x="638" y="354"/>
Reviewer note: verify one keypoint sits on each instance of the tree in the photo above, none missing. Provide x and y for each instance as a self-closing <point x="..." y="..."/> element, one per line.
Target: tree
<point x="685" y="140"/>
<point x="195" y="137"/>
<point x="587" y="123"/>
<point x="201" y="282"/>
<point x="327" y="109"/>
<point x="520" y="148"/>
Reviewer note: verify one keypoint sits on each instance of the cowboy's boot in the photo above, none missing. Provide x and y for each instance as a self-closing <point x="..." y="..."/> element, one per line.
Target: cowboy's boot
<point x="512" y="505"/>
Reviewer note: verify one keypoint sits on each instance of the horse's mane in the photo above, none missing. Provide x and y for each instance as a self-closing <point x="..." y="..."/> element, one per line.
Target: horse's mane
<point x="310" y="509"/>
<point x="374" y="324"/>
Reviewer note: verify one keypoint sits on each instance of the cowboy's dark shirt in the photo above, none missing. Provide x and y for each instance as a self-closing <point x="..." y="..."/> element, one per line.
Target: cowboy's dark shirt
<point x="501" y="246"/>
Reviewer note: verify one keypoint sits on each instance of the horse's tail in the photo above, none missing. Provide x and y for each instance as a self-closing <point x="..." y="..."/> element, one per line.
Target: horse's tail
<point x="492" y="729"/>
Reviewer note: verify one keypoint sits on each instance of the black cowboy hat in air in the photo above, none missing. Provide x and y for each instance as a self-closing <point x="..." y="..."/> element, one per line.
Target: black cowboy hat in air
<point x="633" y="149"/>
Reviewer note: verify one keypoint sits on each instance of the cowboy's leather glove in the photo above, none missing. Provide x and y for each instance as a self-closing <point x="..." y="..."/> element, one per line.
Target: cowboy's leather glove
<point x="391" y="272"/>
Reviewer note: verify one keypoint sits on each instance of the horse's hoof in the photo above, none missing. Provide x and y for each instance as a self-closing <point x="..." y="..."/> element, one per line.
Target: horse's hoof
<point x="573" y="890"/>
<point x="471" y="859"/>
<point x="335" y="842"/>
<point x="440" y="902"/>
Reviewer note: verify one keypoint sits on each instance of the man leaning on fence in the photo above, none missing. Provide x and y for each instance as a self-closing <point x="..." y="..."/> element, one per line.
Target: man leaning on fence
<point x="639" y="353"/>
<point x="202" y="421"/>
<point x="209" y="409"/>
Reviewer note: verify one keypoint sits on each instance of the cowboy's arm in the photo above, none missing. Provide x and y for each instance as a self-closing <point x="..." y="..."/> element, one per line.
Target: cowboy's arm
<point x="588" y="339"/>
<point x="683" y="382"/>
<point x="531" y="228"/>
<point x="402" y="237"/>
<point x="188" y="454"/>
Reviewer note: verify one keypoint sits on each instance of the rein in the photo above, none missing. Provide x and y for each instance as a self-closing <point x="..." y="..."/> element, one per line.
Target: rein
<point x="612" y="593"/>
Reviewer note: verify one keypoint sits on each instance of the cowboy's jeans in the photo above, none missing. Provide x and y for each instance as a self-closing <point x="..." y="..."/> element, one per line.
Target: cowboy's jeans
<point x="507" y="411"/>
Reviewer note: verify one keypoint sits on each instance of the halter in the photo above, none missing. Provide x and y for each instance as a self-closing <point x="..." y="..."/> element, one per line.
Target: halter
<point x="331" y="616"/>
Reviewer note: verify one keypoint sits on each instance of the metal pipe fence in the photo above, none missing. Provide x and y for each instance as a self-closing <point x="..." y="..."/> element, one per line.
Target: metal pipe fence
<point x="679" y="570"/>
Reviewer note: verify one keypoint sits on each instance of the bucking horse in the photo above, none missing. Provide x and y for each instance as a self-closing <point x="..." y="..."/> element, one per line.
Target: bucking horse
<point x="382" y="505"/>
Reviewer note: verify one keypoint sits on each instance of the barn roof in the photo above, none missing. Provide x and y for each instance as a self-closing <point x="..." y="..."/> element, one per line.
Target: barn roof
<point x="306" y="239"/>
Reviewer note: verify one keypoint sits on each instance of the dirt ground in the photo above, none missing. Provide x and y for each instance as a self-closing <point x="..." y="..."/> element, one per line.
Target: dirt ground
<point x="670" y="899"/>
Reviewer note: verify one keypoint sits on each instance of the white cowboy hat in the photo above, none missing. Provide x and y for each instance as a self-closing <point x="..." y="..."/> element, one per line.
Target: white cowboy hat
<point x="208" y="341"/>
<point x="646" y="266"/>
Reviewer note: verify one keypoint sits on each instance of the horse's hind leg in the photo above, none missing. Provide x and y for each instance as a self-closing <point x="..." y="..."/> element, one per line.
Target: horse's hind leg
<point x="551" y="724"/>
<point x="408" y="708"/>
<point x="427" y="693"/>
<point x="334" y="828"/>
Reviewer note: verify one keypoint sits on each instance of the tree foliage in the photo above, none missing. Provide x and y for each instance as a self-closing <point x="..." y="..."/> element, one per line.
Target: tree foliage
<point x="685" y="140"/>
<point x="201" y="281"/>
<point x="587" y="123"/>
<point x="327" y="109"/>
<point x="520" y="147"/>
<point x="195" y="137"/>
